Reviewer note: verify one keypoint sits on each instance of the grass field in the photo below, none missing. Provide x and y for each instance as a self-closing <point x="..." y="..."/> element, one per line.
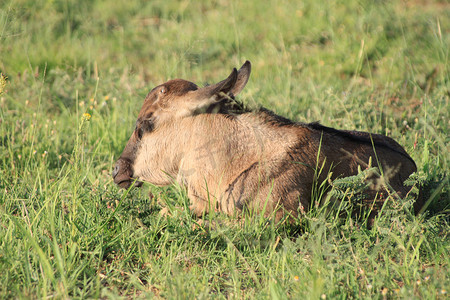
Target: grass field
<point x="75" y="74"/>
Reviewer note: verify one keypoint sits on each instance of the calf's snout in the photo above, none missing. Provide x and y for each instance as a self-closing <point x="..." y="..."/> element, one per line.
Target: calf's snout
<point x="123" y="174"/>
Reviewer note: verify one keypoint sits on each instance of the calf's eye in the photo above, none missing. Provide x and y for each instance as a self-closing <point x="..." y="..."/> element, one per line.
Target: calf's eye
<point x="139" y="132"/>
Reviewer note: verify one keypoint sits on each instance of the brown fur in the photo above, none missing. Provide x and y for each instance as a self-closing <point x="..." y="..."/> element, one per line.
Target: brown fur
<point x="234" y="160"/>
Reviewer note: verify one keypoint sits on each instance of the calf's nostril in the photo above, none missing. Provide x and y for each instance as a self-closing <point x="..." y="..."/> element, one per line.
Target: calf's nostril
<point x="115" y="171"/>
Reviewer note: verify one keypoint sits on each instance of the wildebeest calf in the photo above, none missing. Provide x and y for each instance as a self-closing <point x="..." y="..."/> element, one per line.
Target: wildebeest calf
<point x="230" y="158"/>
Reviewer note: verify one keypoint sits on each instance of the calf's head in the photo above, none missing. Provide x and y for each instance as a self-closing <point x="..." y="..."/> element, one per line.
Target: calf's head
<point x="170" y="102"/>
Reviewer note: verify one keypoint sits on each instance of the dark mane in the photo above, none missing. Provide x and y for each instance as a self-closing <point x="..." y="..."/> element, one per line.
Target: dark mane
<point x="274" y="119"/>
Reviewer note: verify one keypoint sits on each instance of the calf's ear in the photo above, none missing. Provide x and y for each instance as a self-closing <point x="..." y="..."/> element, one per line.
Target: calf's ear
<point x="207" y="99"/>
<point x="230" y="86"/>
<point x="242" y="79"/>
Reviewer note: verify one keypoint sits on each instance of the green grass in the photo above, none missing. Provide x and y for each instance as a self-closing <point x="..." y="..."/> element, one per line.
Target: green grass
<point x="67" y="231"/>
